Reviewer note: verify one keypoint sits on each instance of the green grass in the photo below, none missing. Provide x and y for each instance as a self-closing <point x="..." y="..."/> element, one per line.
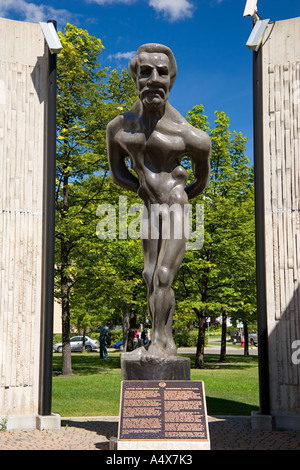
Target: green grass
<point x="94" y="387"/>
<point x="230" y="388"/>
<point x="92" y="390"/>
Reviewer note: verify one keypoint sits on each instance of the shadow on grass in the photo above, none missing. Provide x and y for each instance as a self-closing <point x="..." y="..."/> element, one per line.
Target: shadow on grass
<point x="222" y="407"/>
<point x="86" y="364"/>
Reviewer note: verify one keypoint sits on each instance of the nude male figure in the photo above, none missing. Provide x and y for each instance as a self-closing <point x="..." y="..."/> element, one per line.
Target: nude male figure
<point x="155" y="137"/>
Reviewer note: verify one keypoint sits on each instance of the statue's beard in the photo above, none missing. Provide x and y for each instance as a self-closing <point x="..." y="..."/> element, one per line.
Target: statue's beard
<point x="153" y="99"/>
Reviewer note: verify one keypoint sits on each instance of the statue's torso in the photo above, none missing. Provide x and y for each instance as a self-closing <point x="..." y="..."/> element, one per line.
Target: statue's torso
<point x="156" y="160"/>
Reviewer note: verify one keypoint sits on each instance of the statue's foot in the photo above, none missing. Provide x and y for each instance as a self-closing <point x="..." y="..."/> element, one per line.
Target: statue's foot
<point x="154" y="352"/>
<point x="171" y="346"/>
<point x="136" y="353"/>
<point x="162" y="351"/>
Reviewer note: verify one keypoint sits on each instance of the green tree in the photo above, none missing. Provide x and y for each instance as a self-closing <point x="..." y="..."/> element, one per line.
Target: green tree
<point x="80" y="82"/>
<point x="88" y="97"/>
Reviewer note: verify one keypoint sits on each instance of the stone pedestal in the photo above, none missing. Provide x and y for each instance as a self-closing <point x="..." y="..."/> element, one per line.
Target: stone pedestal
<point x="156" y="390"/>
<point x="143" y="367"/>
<point x="33" y="421"/>
<point x="51" y="422"/>
<point x="261" y="422"/>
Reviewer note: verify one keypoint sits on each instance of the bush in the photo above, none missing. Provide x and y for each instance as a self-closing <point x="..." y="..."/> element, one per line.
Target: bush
<point x="185" y="338"/>
<point x="57" y="338"/>
<point x="116" y="335"/>
<point x="93" y="334"/>
<point x="193" y="338"/>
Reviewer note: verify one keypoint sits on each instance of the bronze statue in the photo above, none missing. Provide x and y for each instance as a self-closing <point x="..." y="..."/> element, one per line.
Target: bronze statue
<point x="155" y="137"/>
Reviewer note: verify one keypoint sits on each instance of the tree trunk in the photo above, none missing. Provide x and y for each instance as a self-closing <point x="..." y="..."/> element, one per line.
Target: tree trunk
<point x="131" y="331"/>
<point x="66" y="352"/>
<point x="125" y="329"/>
<point x="199" y="362"/>
<point x="129" y="325"/>
<point x="223" y="337"/>
<point x="83" y="341"/>
<point x="65" y="290"/>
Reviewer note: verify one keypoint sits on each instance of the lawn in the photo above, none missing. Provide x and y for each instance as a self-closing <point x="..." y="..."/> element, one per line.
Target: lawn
<point x="94" y="387"/>
<point x="92" y="390"/>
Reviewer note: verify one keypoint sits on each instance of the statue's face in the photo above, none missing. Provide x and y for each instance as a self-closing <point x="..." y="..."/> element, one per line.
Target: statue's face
<point x="153" y="79"/>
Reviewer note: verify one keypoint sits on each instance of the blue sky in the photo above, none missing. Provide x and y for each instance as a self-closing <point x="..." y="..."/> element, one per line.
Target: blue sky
<point x="207" y="37"/>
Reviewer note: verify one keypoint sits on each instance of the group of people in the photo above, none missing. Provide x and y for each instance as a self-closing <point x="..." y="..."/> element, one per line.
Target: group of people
<point x="140" y="338"/>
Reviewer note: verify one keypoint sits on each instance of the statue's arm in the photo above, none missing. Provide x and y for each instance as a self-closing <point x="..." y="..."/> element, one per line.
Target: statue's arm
<point x="199" y="149"/>
<point x="119" y="171"/>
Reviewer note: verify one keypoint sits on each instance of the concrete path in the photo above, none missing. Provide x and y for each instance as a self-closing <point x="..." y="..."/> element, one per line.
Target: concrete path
<point x="94" y="433"/>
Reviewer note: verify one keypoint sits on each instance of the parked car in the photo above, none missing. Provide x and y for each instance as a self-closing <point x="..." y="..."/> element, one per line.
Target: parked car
<point x="76" y="344"/>
<point x="119" y="345"/>
<point x="235" y="336"/>
<point x="253" y="338"/>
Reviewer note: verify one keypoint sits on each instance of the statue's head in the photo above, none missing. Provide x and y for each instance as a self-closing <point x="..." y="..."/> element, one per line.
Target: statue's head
<point x="154" y="71"/>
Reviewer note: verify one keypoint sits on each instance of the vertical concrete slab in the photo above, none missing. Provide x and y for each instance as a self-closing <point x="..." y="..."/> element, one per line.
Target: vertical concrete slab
<point x="281" y="118"/>
<point x="23" y="80"/>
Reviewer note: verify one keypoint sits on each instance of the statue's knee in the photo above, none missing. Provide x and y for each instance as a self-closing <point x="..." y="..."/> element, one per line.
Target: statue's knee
<point x="162" y="277"/>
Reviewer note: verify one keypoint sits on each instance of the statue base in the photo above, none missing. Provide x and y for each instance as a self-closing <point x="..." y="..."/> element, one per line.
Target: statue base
<point x="143" y="366"/>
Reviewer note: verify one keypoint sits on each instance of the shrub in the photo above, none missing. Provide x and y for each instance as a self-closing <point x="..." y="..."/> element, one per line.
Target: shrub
<point x="186" y="338"/>
<point x="116" y="335"/>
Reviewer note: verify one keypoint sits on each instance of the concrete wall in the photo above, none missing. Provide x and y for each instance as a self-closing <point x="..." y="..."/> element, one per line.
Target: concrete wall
<point x="281" y="115"/>
<point x="23" y="79"/>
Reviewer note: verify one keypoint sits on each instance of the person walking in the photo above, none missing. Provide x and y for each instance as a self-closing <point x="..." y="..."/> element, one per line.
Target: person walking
<point x="104" y="340"/>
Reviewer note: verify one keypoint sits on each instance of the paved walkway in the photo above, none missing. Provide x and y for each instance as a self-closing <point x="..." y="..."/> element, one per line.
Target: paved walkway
<point x="94" y="433"/>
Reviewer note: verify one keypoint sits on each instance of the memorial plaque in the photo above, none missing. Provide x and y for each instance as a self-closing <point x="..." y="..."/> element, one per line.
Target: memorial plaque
<point x="163" y="411"/>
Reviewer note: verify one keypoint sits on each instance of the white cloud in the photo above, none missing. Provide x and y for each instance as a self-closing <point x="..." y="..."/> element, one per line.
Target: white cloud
<point x="122" y="55"/>
<point x="173" y="9"/>
<point x="33" y="13"/>
<point x="110" y="2"/>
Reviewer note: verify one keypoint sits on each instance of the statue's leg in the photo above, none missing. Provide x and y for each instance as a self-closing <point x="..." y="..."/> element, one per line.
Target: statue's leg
<point x="150" y="252"/>
<point x="161" y="298"/>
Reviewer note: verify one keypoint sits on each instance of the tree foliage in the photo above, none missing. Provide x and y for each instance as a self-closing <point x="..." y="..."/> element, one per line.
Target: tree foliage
<point x="86" y="102"/>
<point x="220" y="278"/>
